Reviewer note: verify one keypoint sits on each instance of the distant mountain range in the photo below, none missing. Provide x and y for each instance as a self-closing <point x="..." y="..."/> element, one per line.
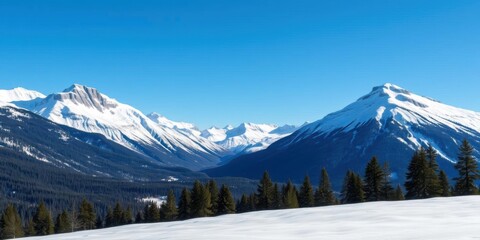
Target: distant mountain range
<point x="163" y="141"/>
<point x="247" y="137"/>
<point x="389" y="122"/>
<point x="90" y="133"/>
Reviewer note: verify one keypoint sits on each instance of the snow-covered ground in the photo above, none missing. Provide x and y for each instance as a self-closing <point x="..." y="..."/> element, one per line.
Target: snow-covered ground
<point x="439" y="218"/>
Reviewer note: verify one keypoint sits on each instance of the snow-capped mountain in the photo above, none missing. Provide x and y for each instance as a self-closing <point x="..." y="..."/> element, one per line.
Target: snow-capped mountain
<point x="86" y="109"/>
<point x="247" y="137"/>
<point x="216" y="134"/>
<point x="18" y="94"/>
<point x="389" y="122"/>
<point x="31" y="144"/>
<point x="187" y="128"/>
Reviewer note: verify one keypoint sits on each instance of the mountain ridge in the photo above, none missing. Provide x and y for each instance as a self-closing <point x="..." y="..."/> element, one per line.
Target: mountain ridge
<point x="389" y="122"/>
<point x="169" y="142"/>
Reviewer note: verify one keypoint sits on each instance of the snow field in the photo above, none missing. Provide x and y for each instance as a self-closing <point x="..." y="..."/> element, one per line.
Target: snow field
<point x="438" y="218"/>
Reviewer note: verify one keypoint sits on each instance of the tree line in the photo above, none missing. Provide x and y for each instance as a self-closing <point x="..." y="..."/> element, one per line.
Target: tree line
<point x="424" y="179"/>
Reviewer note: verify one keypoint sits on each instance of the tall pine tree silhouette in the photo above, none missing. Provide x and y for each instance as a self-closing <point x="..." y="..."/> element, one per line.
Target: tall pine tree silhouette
<point x="42" y="221"/>
<point x="168" y="210"/>
<point x="386" y="189"/>
<point x="467" y="170"/>
<point x="201" y="202"/>
<point x="184" y="204"/>
<point x="290" y="198"/>
<point x="86" y="215"/>
<point x="373" y="181"/>
<point x="352" y="191"/>
<point x="324" y="195"/>
<point x="11" y="223"/>
<point x="265" y="193"/>
<point x="213" y="189"/>
<point x="226" y="203"/>
<point x="432" y="181"/>
<point x="417" y="180"/>
<point x="306" y="196"/>
<point x="62" y="223"/>
<point x="444" y="185"/>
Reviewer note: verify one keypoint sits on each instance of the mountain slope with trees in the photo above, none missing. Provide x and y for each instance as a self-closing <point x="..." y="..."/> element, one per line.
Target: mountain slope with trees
<point x="390" y="123"/>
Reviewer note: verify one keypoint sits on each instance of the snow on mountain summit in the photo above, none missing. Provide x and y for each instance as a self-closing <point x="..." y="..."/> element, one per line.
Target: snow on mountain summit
<point x="86" y="96"/>
<point x="19" y="94"/>
<point x="189" y="128"/>
<point x="87" y="109"/>
<point x="247" y="137"/>
<point x="392" y="102"/>
<point x="389" y="122"/>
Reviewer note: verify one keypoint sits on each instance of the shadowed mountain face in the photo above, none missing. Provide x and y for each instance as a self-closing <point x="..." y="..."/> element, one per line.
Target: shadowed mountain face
<point x="389" y="122"/>
<point x="38" y="143"/>
<point x="88" y="110"/>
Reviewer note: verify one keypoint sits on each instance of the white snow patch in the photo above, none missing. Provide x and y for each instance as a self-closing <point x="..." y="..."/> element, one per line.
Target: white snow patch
<point x="169" y="179"/>
<point x="158" y="200"/>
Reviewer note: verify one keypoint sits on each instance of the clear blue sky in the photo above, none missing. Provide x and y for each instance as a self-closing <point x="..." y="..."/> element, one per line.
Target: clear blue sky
<point x="218" y="62"/>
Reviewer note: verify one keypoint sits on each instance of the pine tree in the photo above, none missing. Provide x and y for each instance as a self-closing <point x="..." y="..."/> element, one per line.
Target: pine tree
<point x="226" y="203"/>
<point x="373" y="181"/>
<point x="42" y="221"/>
<point x="398" y="195"/>
<point x="324" y="195"/>
<point x="109" y="218"/>
<point x="265" y="192"/>
<point x="30" y="230"/>
<point x="184" y="204"/>
<point x="169" y="209"/>
<point x="117" y="215"/>
<point x="306" y="196"/>
<point x="444" y="184"/>
<point x="253" y="202"/>
<point x="431" y="155"/>
<point x="213" y="189"/>
<point x="127" y="217"/>
<point x="352" y="191"/>
<point x="243" y="205"/>
<point x="152" y="213"/>
<point x="62" y="223"/>
<point x="386" y="189"/>
<point x="86" y="215"/>
<point x="277" y="197"/>
<point x="417" y="184"/>
<point x="467" y="171"/>
<point x="431" y="174"/>
<point x="290" y="197"/>
<point x="11" y="223"/>
<point x="201" y="203"/>
<point x="345" y="194"/>
<point x="358" y="189"/>
<point x="139" y="218"/>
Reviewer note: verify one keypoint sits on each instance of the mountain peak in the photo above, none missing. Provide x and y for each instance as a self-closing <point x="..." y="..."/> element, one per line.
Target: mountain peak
<point x="386" y="90"/>
<point x="87" y="96"/>
<point x="78" y="87"/>
<point x="393" y="103"/>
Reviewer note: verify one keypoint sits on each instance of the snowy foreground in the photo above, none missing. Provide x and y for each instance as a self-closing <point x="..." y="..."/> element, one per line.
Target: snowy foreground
<point x="439" y="218"/>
